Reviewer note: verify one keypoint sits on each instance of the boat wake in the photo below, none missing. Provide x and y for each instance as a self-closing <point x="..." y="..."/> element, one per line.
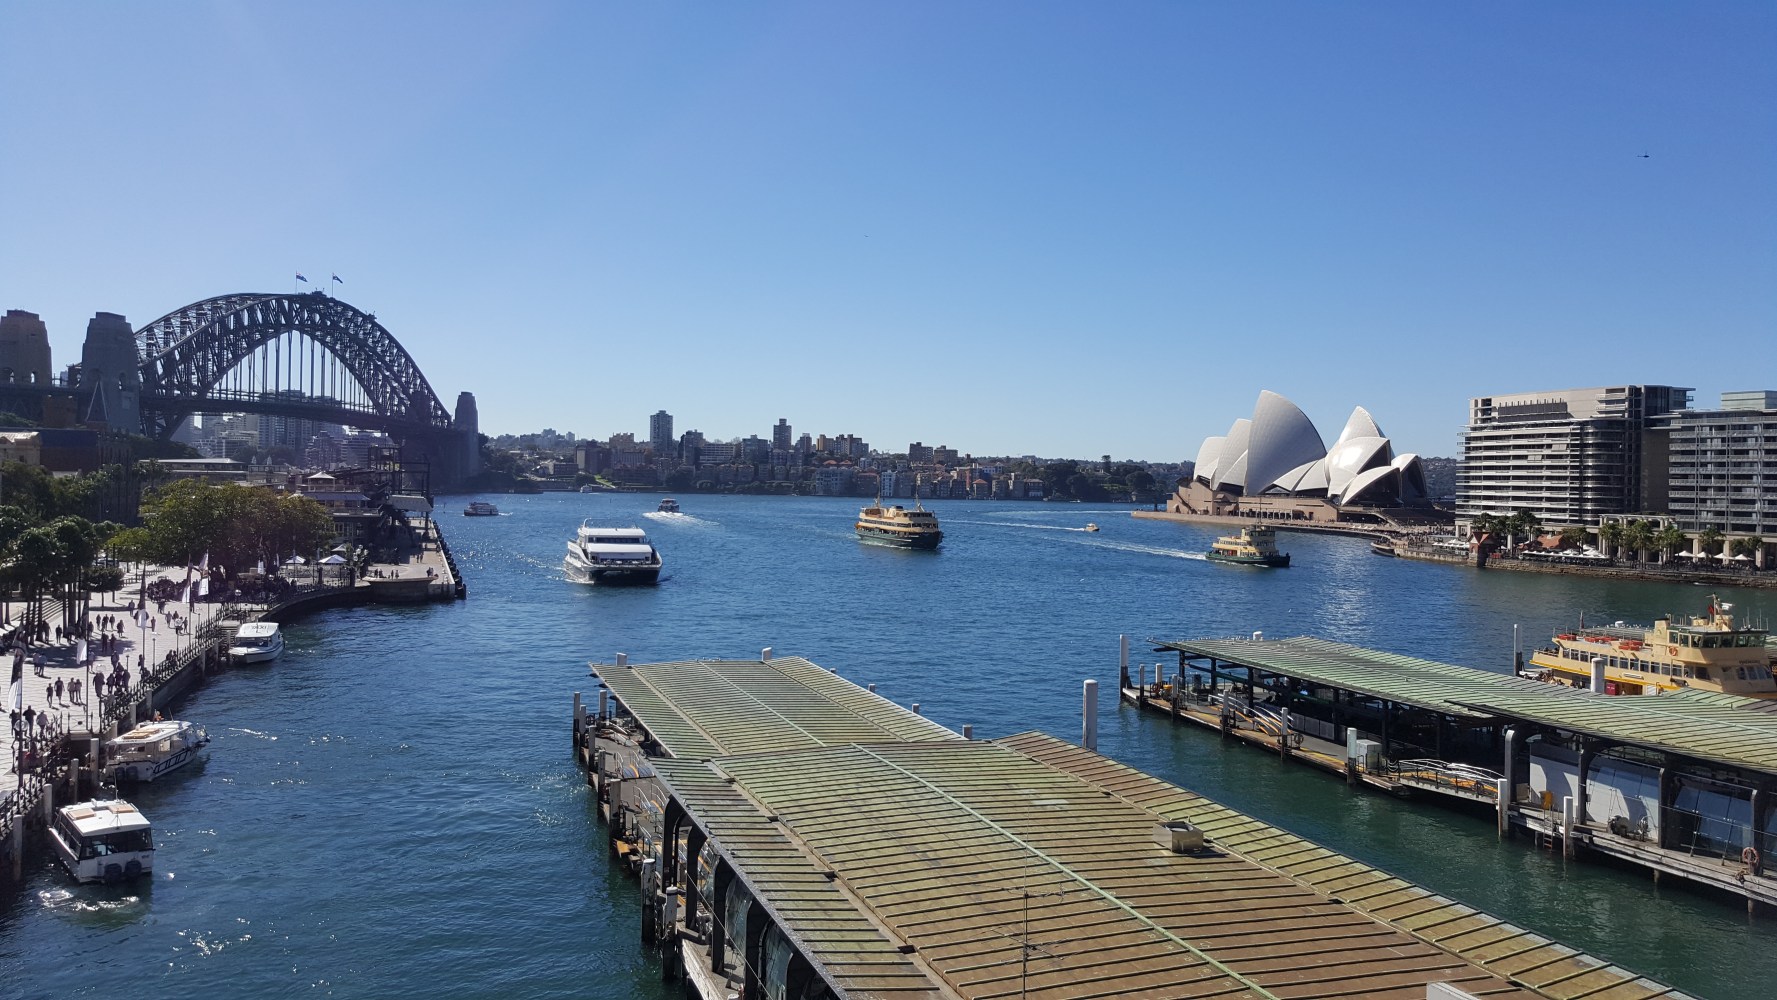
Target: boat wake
<point x="688" y="520"/>
<point x="1151" y="550"/>
<point x="1018" y="524"/>
<point x="253" y="732"/>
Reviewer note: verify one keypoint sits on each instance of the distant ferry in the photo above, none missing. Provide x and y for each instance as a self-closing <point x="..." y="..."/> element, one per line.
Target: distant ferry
<point x="1707" y="654"/>
<point x="480" y="508"/>
<point x="1254" y="546"/>
<point x="900" y="527"/>
<point x="611" y="556"/>
<point x="1091" y="527"/>
<point x="668" y="506"/>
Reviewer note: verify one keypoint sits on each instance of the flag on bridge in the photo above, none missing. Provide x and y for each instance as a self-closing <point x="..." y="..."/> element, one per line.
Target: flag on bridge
<point x="300" y="278"/>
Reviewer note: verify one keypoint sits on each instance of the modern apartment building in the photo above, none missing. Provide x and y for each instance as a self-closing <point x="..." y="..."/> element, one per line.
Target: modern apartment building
<point x="1569" y="456"/>
<point x="1721" y="465"/>
<point x="660" y="432"/>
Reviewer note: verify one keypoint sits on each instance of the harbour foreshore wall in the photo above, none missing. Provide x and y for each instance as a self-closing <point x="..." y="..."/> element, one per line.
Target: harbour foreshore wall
<point x="1405" y="550"/>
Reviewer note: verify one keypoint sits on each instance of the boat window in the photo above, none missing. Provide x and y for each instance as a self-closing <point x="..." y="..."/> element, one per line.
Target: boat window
<point x="1740" y="672"/>
<point x="1702" y="673"/>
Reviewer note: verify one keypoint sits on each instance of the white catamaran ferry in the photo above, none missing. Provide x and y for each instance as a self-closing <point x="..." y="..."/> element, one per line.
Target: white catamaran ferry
<point x="257" y="642"/>
<point x="103" y="841"/>
<point x="611" y="556"/>
<point x="153" y="749"/>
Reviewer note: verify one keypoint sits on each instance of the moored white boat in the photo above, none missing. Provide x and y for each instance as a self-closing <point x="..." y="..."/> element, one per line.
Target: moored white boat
<point x="103" y="841"/>
<point x="153" y="749"/>
<point x="257" y="642"/>
<point x="611" y="556"/>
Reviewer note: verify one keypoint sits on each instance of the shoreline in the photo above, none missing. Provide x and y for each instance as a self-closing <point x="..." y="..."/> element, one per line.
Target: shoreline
<point x="1403" y="549"/>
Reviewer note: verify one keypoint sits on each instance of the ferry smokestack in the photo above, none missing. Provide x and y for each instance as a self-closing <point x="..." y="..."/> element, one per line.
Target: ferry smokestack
<point x="765" y="654"/>
<point x="1597" y="675"/>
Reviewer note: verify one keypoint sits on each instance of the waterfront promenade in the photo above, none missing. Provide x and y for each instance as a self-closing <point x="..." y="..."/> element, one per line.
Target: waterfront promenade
<point x="141" y="651"/>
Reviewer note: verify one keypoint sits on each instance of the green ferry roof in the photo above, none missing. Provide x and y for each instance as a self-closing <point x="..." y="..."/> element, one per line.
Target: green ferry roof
<point x="700" y="709"/>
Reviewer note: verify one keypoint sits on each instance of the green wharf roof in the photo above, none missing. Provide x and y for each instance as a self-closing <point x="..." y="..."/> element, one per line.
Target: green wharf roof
<point x="1722" y="729"/>
<point x="1028" y="867"/>
<point x="1406" y="680"/>
<point x="709" y="708"/>
<point x="1719" y="729"/>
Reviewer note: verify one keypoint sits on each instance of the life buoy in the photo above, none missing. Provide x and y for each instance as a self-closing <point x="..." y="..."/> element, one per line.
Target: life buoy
<point x="1672" y="650"/>
<point x="1753" y="862"/>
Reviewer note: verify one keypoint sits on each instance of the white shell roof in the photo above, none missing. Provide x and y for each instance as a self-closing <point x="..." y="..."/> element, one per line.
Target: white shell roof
<point x="1207" y="456"/>
<point x="1377" y="479"/>
<point x="1360" y="424"/>
<point x="1351" y="457"/>
<point x="1282" y="439"/>
<point x="1231" y="466"/>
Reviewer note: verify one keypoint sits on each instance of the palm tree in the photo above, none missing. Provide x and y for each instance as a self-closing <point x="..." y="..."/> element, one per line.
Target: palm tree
<point x="1711" y="539"/>
<point x="1668" y="539"/>
<point x="1639" y="536"/>
<point x="1610" y="533"/>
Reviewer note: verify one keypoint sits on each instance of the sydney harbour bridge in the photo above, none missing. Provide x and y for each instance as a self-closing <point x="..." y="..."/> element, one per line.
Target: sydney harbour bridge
<point x="304" y="355"/>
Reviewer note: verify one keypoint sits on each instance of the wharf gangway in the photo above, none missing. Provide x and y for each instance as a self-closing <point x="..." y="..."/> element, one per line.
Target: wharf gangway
<point x="1464" y="781"/>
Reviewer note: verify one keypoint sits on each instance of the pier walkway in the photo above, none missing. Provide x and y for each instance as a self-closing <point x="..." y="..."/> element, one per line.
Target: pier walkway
<point x="1682" y="784"/>
<point x="810" y="833"/>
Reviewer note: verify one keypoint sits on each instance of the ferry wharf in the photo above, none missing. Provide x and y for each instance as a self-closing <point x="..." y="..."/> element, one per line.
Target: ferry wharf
<point x="58" y="755"/>
<point x="796" y="836"/>
<point x="1682" y="784"/>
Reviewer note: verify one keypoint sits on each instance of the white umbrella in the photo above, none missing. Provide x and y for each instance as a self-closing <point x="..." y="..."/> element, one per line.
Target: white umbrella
<point x="334" y="560"/>
<point x="342" y="547"/>
<point x="1724" y="557"/>
<point x="1742" y="557"/>
<point x="1684" y="554"/>
<point x="295" y="561"/>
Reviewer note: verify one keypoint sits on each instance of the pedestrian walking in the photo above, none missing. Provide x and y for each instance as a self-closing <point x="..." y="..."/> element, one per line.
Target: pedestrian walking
<point x="49" y="693"/>
<point x="58" y="689"/>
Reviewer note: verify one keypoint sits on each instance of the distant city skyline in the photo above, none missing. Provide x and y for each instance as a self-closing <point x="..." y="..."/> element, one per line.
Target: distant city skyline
<point x="1068" y="230"/>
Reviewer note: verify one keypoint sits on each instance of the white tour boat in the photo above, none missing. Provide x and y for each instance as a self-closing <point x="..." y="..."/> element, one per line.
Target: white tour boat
<point x="257" y="642"/>
<point x="611" y="556"/>
<point x="103" y="841"/>
<point x="154" y="748"/>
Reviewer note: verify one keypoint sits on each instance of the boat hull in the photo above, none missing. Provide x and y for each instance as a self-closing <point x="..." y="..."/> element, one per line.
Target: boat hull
<point x="612" y="576"/>
<point x="255" y="654"/>
<point x="140" y="771"/>
<point x="120" y="867"/>
<point x="1280" y="561"/>
<point x="900" y="539"/>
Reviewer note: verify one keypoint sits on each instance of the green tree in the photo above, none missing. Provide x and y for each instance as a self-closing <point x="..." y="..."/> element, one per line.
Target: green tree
<point x="1711" y="539"/>
<point x="1056" y="476"/>
<point x="1669" y="540"/>
<point x="1639" y="537"/>
<point x="1611" y="533"/>
<point x="1573" y="537"/>
<point x="1140" y="481"/>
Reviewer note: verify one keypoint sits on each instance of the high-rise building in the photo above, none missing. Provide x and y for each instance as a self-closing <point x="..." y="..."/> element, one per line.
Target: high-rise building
<point x="780" y="435"/>
<point x="1568" y="456"/>
<point x="660" y="432"/>
<point x="1721" y="465"/>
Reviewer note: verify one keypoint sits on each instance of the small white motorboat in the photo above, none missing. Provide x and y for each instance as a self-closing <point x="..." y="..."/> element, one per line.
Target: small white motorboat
<point x="257" y="642"/>
<point x="153" y="749"/>
<point x="103" y="841"/>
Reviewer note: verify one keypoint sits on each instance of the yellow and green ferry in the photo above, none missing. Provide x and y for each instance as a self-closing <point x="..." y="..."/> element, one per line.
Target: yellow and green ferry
<point x="1254" y="546"/>
<point x="899" y="527"/>
<point x="1707" y="653"/>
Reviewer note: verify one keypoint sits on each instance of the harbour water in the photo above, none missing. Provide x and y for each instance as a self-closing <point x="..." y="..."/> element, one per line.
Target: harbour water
<point x="391" y="809"/>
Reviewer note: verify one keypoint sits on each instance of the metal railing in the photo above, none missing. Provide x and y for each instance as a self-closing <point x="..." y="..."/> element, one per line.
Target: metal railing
<point x="1461" y="779"/>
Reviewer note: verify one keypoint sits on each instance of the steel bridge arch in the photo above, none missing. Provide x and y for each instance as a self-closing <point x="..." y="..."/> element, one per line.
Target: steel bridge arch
<point x="186" y="353"/>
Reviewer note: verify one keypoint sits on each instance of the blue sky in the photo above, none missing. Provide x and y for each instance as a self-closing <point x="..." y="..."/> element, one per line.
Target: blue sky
<point x="1061" y="229"/>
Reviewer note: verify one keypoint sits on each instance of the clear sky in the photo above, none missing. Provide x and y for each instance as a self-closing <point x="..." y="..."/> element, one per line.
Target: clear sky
<point x="1034" y="227"/>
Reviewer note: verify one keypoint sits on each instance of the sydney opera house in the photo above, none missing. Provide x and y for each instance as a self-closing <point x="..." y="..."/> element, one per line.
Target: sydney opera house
<point x="1275" y="465"/>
